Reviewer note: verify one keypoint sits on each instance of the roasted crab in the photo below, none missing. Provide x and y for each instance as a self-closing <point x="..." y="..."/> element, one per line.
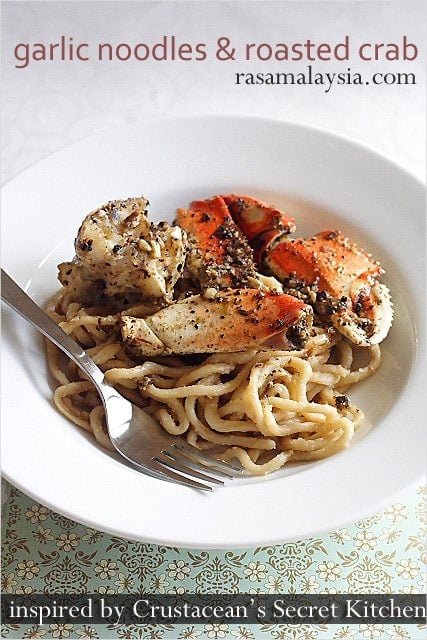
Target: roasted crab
<point x="328" y="271"/>
<point x="119" y="251"/>
<point x="221" y="321"/>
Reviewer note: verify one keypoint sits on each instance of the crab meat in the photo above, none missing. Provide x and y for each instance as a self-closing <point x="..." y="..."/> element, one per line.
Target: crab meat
<point x="219" y="254"/>
<point x="118" y="246"/>
<point x="233" y="320"/>
<point x="338" y="278"/>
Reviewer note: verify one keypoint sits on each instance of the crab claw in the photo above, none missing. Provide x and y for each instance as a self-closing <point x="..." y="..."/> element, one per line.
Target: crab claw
<point x="339" y="279"/>
<point x="234" y="320"/>
<point x="256" y="218"/>
<point x="219" y="254"/>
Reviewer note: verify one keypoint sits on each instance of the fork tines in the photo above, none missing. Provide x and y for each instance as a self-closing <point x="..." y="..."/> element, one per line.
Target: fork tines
<point x="186" y="460"/>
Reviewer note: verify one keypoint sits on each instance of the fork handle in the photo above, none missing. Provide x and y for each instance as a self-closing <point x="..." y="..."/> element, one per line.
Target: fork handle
<point x="20" y="302"/>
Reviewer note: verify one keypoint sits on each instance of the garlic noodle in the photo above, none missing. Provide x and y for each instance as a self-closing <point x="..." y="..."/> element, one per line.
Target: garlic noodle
<point x="262" y="407"/>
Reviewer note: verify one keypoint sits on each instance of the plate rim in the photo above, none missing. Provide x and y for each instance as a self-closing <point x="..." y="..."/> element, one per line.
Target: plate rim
<point x="223" y="116"/>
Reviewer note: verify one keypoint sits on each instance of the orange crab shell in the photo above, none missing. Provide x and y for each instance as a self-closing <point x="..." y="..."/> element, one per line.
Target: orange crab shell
<point x="203" y="219"/>
<point x="255" y="217"/>
<point x="234" y="320"/>
<point x="261" y="245"/>
<point x="220" y="254"/>
<point x="327" y="258"/>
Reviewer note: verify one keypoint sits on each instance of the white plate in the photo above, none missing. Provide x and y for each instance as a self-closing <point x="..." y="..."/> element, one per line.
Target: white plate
<point x="325" y="182"/>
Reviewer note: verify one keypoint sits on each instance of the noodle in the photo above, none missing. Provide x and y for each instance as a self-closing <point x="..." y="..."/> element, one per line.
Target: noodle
<point x="263" y="408"/>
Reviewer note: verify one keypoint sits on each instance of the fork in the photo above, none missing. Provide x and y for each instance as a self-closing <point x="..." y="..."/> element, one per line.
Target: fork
<point x="135" y="435"/>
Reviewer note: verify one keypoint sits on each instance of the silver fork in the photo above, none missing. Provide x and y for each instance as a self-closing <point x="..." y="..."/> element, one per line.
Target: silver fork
<point x="136" y="435"/>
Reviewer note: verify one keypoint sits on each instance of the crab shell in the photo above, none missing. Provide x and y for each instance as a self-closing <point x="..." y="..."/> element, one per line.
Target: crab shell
<point x="357" y="304"/>
<point x="255" y="217"/>
<point x="330" y="271"/>
<point x="233" y="320"/>
<point x="219" y="254"/>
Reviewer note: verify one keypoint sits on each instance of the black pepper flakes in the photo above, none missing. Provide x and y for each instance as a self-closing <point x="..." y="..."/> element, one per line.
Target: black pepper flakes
<point x="86" y="245"/>
<point x="342" y="402"/>
<point x="223" y="232"/>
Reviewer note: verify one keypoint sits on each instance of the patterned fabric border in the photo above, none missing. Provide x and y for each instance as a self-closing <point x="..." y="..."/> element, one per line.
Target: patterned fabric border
<point x="45" y="552"/>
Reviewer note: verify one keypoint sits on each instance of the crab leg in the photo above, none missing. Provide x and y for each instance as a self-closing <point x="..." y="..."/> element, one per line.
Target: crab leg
<point x="259" y="222"/>
<point x="338" y="278"/>
<point x="219" y="254"/>
<point x="234" y="320"/>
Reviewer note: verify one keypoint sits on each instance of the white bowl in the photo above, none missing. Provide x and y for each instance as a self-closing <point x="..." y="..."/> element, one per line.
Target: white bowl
<point x="325" y="182"/>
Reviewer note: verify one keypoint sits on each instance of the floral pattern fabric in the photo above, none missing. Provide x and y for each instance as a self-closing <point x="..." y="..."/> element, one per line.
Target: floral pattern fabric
<point x="46" y="552"/>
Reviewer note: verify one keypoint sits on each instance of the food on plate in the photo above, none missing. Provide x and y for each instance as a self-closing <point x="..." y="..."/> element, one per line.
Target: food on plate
<point x="218" y="252"/>
<point x="220" y="321"/>
<point x="120" y="252"/>
<point x="327" y="270"/>
<point x="231" y="333"/>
